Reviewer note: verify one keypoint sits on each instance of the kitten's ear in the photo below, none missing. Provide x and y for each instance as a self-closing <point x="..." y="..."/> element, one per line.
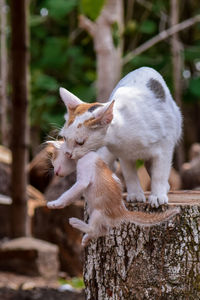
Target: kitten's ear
<point x="104" y="115"/>
<point x="69" y="99"/>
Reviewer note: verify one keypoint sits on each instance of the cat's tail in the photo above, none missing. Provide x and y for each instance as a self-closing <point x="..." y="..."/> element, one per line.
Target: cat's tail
<point x="150" y="219"/>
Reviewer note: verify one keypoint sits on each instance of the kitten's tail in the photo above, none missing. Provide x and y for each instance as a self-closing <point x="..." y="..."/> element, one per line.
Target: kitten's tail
<point x="150" y="219"/>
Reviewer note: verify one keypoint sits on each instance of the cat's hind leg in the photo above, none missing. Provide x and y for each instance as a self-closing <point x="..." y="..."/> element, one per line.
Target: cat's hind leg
<point x="160" y="170"/>
<point x="134" y="189"/>
<point x="79" y="224"/>
<point x="86" y="239"/>
<point x="93" y="229"/>
<point x="84" y="227"/>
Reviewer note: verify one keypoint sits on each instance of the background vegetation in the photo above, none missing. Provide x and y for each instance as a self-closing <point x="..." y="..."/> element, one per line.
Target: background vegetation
<point x="62" y="54"/>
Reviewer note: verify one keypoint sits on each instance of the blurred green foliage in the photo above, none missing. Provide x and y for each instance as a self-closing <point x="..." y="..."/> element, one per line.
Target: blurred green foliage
<point x="62" y="54"/>
<point x="91" y="8"/>
<point x="75" y="282"/>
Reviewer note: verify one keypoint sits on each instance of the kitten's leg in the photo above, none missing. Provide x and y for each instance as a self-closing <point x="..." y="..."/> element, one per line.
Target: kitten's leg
<point x="160" y="171"/>
<point x="86" y="239"/>
<point x="97" y="228"/>
<point x="70" y="195"/>
<point x="135" y="192"/>
<point x="84" y="227"/>
<point x="79" y="224"/>
<point x="93" y="229"/>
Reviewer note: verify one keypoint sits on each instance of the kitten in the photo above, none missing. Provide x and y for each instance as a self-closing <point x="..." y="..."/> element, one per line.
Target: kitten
<point x="143" y="122"/>
<point x="102" y="191"/>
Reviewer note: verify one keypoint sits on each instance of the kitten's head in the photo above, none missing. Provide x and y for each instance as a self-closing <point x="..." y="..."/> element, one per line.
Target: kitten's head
<point x="62" y="165"/>
<point x="86" y="124"/>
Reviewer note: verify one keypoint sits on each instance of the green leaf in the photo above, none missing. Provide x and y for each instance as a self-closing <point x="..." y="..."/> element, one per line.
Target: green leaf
<point x="194" y="86"/>
<point x="58" y="9"/>
<point x="148" y="27"/>
<point x="91" y="8"/>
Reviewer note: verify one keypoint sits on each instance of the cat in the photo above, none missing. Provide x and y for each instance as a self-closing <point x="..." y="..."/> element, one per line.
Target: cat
<point x="140" y="121"/>
<point x="102" y="191"/>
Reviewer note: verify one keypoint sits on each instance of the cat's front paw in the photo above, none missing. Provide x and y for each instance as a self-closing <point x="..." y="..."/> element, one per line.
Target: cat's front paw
<point x="55" y="204"/>
<point x="136" y="197"/>
<point x="157" y="200"/>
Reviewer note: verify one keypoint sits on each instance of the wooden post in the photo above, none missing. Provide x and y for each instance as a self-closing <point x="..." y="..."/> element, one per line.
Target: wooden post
<point x="3" y="76"/>
<point x="20" y="128"/>
<point x="159" y="262"/>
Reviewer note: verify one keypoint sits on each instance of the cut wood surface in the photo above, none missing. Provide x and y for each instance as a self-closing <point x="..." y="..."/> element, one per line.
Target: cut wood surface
<point x="5" y="155"/>
<point x="158" y="262"/>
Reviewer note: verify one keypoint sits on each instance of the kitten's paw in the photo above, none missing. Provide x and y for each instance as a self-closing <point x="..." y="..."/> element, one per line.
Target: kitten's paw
<point x="136" y="197"/>
<point x="74" y="222"/>
<point x="55" y="204"/>
<point x="85" y="240"/>
<point x="157" y="200"/>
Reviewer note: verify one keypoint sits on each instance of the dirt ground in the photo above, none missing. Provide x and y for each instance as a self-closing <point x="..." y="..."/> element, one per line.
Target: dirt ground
<point x="20" y="287"/>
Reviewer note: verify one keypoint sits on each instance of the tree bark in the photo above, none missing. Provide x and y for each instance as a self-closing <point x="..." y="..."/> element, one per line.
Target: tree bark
<point x="159" y="262"/>
<point x="177" y="67"/>
<point x="3" y="76"/>
<point x="20" y="57"/>
<point x="107" y="47"/>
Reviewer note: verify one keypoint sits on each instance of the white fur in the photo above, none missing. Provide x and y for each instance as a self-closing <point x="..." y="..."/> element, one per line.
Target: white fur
<point x="143" y="127"/>
<point x="63" y="166"/>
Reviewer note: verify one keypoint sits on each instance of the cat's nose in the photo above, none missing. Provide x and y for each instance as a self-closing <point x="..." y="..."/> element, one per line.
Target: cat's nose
<point x="68" y="154"/>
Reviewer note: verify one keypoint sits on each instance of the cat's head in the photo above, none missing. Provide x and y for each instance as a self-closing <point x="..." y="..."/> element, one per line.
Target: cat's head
<point x="86" y="124"/>
<point x="62" y="165"/>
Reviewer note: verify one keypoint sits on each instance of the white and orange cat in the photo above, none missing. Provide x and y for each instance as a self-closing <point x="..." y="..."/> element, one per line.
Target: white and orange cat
<point x="102" y="191"/>
<point x="140" y="121"/>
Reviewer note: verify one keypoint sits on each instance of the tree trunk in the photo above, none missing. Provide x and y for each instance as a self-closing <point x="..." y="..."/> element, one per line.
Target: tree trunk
<point x="19" y="55"/>
<point x="3" y="76"/>
<point x="159" y="262"/>
<point x="106" y="32"/>
<point x="177" y="67"/>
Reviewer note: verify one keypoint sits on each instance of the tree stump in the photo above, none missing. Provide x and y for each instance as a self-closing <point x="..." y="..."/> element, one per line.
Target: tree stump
<point x="159" y="262"/>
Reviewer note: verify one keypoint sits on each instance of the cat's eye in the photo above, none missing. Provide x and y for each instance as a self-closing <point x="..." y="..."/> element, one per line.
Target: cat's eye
<point x="80" y="143"/>
<point x="64" y="138"/>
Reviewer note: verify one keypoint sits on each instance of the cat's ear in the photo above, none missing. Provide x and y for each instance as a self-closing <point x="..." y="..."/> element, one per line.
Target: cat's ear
<point x="69" y="99"/>
<point x="104" y="115"/>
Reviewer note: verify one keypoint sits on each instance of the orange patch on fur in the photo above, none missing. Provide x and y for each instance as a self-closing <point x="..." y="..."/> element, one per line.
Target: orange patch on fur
<point x="109" y="190"/>
<point x="79" y="110"/>
<point x="90" y="122"/>
<point x="55" y="154"/>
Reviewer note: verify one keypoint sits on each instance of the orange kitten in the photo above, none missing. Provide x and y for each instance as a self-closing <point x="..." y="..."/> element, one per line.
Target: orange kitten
<point x="102" y="191"/>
